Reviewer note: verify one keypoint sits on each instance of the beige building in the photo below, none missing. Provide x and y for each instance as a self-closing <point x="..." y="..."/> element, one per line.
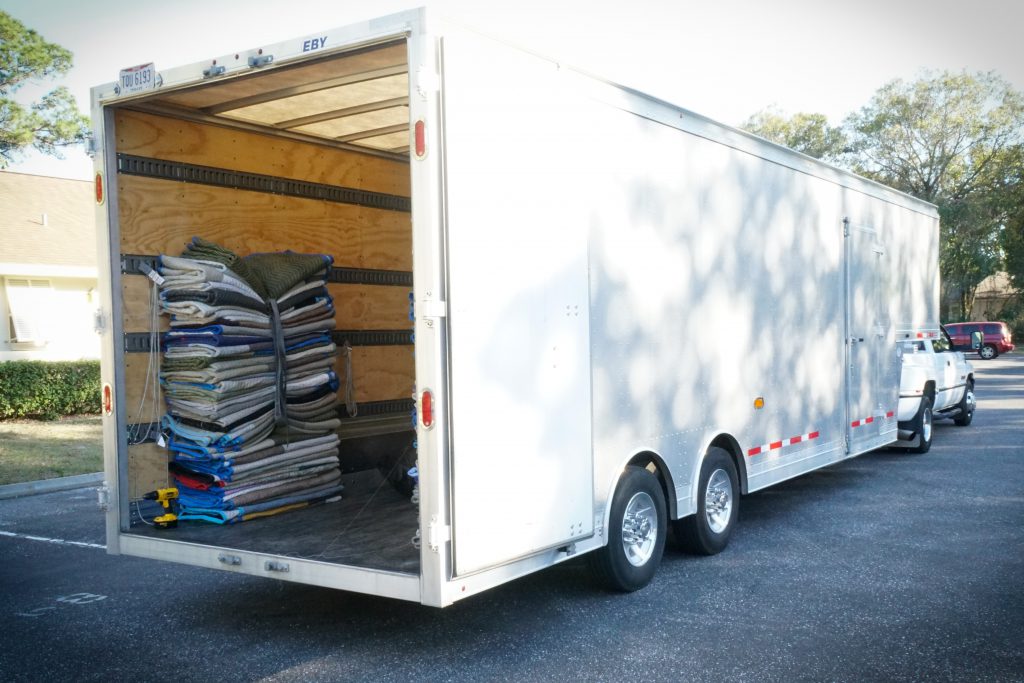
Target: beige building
<point x="993" y="294"/>
<point x="47" y="268"/>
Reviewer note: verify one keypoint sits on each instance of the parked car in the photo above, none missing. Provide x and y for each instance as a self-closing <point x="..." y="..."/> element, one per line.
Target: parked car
<point x="989" y="339"/>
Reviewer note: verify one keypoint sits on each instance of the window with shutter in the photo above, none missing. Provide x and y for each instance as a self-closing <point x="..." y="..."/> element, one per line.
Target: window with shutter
<point x="27" y="300"/>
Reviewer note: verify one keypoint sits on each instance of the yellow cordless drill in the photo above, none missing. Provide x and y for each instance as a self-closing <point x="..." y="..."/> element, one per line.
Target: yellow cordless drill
<point x="169" y="519"/>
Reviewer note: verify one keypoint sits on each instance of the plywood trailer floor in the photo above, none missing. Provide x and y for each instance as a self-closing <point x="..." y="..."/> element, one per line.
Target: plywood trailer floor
<point x="309" y="158"/>
<point x="372" y="527"/>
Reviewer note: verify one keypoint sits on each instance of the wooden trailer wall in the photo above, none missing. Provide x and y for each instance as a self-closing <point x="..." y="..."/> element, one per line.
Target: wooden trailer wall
<point x="371" y="246"/>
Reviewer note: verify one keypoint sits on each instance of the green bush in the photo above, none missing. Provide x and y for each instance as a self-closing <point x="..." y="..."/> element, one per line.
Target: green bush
<point x="48" y="390"/>
<point x="1013" y="315"/>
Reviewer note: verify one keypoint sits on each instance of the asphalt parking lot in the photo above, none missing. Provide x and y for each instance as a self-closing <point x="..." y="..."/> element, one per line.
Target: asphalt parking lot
<point x="887" y="567"/>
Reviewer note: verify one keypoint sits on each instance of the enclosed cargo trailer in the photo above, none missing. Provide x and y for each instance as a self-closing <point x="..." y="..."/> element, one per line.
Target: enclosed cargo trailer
<point x="624" y="315"/>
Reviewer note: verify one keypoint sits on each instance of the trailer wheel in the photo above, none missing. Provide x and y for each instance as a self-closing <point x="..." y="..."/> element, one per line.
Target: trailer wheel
<point x="718" y="507"/>
<point x="967" y="404"/>
<point x="923" y="425"/>
<point x="636" y="533"/>
<point x="987" y="352"/>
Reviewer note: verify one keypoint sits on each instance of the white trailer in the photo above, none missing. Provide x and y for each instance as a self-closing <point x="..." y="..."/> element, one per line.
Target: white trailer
<point x="626" y="315"/>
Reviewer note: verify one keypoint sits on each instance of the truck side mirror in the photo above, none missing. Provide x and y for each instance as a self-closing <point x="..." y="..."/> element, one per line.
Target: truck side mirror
<point x="977" y="337"/>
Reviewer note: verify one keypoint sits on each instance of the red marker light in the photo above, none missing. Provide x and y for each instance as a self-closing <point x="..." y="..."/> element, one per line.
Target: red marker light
<point x="99" y="188"/>
<point x="108" y="400"/>
<point x="421" y="139"/>
<point x="427" y="409"/>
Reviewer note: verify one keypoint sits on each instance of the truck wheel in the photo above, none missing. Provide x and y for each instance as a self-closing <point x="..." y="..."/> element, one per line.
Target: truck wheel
<point x="923" y="425"/>
<point x="718" y="507"/>
<point x="988" y="352"/>
<point x="636" y="533"/>
<point x="967" y="403"/>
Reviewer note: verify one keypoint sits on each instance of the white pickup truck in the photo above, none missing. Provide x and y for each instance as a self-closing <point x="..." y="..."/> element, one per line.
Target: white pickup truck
<point x="937" y="382"/>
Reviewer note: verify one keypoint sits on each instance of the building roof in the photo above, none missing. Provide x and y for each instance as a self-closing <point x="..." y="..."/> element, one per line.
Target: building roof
<point x="46" y="225"/>
<point x="995" y="285"/>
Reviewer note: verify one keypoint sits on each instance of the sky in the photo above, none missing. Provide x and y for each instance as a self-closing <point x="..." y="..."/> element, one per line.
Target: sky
<point x="725" y="59"/>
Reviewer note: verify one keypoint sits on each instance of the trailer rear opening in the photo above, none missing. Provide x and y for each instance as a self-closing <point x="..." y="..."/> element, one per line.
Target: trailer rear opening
<point x="311" y="158"/>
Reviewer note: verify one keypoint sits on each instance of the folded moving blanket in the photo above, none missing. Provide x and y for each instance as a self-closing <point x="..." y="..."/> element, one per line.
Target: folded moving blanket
<point x="271" y="275"/>
<point x="217" y="498"/>
<point x="248" y="377"/>
<point x="266" y="509"/>
<point x="278" y="441"/>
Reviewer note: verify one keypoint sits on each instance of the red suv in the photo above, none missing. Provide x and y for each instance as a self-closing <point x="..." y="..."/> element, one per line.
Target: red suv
<point x="995" y="338"/>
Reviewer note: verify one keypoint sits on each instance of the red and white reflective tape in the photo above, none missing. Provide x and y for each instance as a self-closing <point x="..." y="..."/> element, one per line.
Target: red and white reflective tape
<point x="872" y="418"/>
<point x="927" y="335"/>
<point x="775" y="445"/>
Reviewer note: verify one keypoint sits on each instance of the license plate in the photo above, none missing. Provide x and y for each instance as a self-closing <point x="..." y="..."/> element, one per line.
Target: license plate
<point x="137" y="79"/>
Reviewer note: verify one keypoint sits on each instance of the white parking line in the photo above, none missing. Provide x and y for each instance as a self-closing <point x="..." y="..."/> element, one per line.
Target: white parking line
<point x="58" y="541"/>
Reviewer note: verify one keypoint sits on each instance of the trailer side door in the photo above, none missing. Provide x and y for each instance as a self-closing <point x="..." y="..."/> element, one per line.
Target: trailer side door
<point x="520" y="403"/>
<point x="872" y="362"/>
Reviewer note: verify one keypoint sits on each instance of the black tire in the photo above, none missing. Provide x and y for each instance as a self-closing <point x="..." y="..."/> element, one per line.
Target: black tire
<point x="987" y="352"/>
<point x="923" y="423"/>
<point x="967" y="406"/>
<point x="704" y="534"/>
<point x="396" y="469"/>
<point x="623" y="565"/>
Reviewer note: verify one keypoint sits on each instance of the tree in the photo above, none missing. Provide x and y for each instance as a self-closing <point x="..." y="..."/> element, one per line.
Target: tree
<point x="1012" y="241"/>
<point x="949" y="139"/>
<point x="48" y="124"/>
<point x="806" y="133"/>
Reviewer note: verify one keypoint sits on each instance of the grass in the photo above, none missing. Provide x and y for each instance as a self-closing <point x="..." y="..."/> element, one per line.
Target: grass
<point x="31" y="449"/>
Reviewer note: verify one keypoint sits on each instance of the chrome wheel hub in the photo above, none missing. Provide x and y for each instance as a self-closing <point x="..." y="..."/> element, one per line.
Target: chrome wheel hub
<point x="926" y="425"/>
<point x="639" y="529"/>
<point x="718" y="501"/>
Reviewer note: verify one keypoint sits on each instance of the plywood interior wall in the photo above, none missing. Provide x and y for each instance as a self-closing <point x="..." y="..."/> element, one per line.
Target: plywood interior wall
<point x="147" y="469"/>
<point x="160" y="216"/>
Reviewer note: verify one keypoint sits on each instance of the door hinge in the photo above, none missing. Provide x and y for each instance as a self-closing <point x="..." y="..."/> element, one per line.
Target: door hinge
<point x="427" y="82"/>
<point x="432" y="308"/>
<point x="260" y="60"/>
<point x="438" y="534"/>
<point x="103" y="497"/>
<point x="91" y="148"/>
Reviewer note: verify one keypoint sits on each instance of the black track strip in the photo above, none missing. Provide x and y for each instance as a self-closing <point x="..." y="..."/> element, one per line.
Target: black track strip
<point x="367" y="276"/>
<point x="128" y="164"/>
<point x="368" y="409"/>
<point x="139" y="342"/>
<point x="373" y="337"/>
<point x="377" y="408"/>
<point x="131" y="264"/>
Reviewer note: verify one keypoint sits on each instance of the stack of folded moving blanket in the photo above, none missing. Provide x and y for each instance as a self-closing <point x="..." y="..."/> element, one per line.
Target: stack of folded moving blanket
<point x="248" y="376"/>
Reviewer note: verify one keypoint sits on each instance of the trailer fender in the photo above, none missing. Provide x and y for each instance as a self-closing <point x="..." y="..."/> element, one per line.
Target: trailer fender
<point x="728" y="443"/>
<point x="653" y="463"/>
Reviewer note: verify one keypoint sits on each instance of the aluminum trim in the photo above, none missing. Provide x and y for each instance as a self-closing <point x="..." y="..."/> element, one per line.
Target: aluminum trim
<point x="380" y="582"/>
